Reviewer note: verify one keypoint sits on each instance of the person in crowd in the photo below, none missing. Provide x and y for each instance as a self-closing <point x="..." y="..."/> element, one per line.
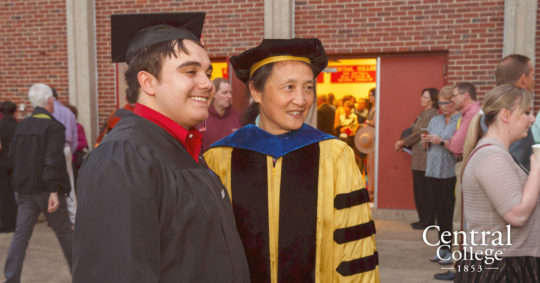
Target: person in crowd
<point x="348" y="123"/>
<point x="370" y="162"/>
<point x="422" y="194"/>
<point x="339" y="111"/>
<point x="465" y="101"/>
<point x="370" y="119"/>
<point x="325" y="116"/>
<point x="498" y="195"/>
<point x="149" y="209"/>
<point x="361" y="110"/>
<point x="82" y="145"/>
<point x="222" y="118"/>
<point x="300" y="205"/>
<point x="8" y="206"/>
<point x="319" y="99"/>
<point x="66" y="117"/>
<point x="39" y="179"/>
<point x="332" y="100"/>
<point x="250" y="114"/>
<point x="516" y="69"/>
<point x="440" y="173"/>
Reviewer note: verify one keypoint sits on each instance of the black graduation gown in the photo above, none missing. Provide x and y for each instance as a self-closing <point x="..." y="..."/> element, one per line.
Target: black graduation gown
<point x="147" y="212"/>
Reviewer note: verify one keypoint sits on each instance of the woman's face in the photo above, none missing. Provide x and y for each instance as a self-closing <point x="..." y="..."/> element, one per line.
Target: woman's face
<point x="348" y="110"/>
<point x="286" y="98"/>
<point x="447" y="106"/>
<point x="425" y="100"/>
<point x="371" y="97"/>
<point x="520" y="123"/>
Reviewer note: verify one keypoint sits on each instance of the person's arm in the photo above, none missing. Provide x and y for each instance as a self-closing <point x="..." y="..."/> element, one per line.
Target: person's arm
<point x="519" y="214"/>
<point x="54" y="161"/>
<point x="53" y="203"/>
<point x="415" y="136"/>
<point x="117" y="232"/>
<point x="371" y="122"/>
<point x="398" y="145"/>
<point x="72" y="129"/>
<point x="354" y="228"/>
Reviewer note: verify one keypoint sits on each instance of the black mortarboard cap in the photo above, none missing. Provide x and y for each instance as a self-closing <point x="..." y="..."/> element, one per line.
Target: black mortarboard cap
<point x="274" y="50"/>
<point x="132" y="32"/>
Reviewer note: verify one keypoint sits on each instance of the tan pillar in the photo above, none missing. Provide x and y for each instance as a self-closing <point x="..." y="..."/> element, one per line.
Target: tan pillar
<point x="278" y="19"/>
<point x="520" y="28"/>
<point x="82" y="63"/>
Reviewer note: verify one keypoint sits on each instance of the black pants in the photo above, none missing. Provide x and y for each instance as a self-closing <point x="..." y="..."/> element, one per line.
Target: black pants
<point x="30" y="206"/>
<point x="8" y="205"/>
<point x="423" y="197"/>
<point x="443" y="199"/>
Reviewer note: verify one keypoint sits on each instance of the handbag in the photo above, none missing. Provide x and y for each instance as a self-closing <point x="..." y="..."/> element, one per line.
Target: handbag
<point x="408" y="131"/>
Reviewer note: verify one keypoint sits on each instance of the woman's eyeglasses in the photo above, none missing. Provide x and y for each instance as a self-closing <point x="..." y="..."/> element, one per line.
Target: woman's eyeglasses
<point x="444" y="103"/>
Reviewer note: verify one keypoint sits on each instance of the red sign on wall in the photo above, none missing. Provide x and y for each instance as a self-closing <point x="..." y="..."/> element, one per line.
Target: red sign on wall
<point x="354" y="74"/>
<point x="320" y="78"/>
<point x="225" y="72"/>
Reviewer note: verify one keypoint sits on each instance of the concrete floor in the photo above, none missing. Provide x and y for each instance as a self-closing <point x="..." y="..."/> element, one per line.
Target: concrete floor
<point x="403" y="255"/>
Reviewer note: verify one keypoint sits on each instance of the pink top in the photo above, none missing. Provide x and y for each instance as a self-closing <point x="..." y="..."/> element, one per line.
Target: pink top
<point x="81" y="137"/>
<point x="455" y="144"/>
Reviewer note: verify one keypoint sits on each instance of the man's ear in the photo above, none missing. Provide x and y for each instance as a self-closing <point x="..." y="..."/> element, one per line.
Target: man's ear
<point x="50" y="104"/>
<point x="522" y="82"/>
<point x="147" y="82"/>
<point x="255" y="94"/>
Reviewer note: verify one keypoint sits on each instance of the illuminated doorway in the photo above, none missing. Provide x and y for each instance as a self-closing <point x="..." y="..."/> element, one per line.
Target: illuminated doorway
<point x="346" y="84"/>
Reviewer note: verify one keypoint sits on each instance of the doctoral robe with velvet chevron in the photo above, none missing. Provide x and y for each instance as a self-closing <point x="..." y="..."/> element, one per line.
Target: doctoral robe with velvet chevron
<point x="300" y="205"/>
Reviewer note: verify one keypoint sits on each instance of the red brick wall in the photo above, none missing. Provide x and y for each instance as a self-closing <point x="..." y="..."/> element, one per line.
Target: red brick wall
<point x="33" y="48"/>
<point x="470" y="30"/>
<point x="230" y="28"/>
<point x="33" y="36"/>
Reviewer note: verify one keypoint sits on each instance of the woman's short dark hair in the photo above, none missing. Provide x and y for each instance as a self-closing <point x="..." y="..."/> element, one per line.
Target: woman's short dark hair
<point x="433" y="95"/>
<point x="149" y="59"/>
<point x="258" y="79"/>
<point x="8" y="108"/>
<point x="73" y="109"/>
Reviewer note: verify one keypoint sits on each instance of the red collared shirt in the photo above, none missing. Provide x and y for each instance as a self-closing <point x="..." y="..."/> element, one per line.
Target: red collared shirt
<point x="455" y="144"/>
<point x="191" y="140"/>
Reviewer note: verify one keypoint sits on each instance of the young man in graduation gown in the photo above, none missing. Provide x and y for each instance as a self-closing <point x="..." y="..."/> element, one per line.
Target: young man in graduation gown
<point x="149" y="211"/>
<point x="300" y="206"/>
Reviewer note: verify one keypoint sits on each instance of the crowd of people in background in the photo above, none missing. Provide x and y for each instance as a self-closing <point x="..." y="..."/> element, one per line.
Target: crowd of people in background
<point x="347" y="118"/>
<point x="479" y="174"/>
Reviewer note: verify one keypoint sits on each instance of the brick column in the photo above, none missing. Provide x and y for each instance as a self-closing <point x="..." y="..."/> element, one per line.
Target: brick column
<point x="82" y="70"/>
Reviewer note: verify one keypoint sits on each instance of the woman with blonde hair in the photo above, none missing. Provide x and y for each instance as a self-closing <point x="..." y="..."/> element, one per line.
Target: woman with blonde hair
<point x="500" y="198"/>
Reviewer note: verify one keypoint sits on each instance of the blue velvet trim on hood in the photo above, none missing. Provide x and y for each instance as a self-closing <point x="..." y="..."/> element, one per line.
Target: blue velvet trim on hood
<point x="253" y="138"/>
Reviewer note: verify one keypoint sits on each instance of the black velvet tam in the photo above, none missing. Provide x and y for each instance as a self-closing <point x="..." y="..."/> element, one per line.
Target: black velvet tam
<point x="132" y="32"/>
<point x="310" y="48"/>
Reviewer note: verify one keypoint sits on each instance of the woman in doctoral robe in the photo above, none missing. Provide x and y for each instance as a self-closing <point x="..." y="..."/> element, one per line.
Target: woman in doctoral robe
<point x="301" y="208"/>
